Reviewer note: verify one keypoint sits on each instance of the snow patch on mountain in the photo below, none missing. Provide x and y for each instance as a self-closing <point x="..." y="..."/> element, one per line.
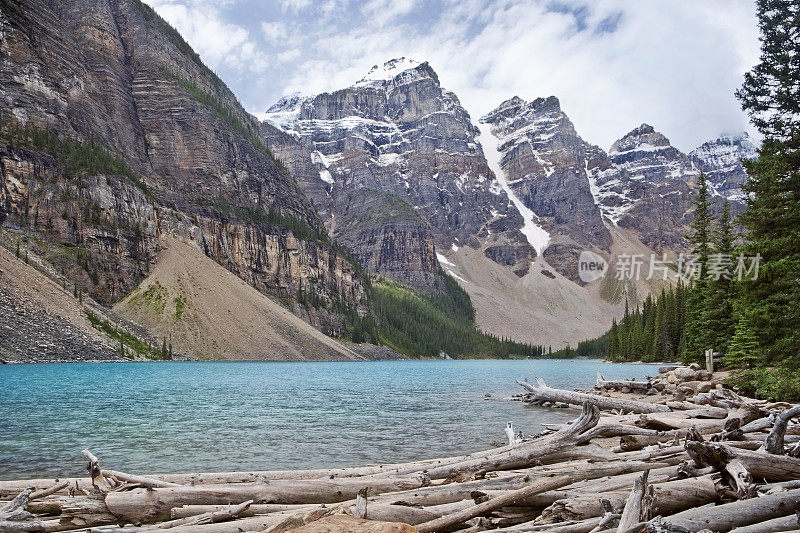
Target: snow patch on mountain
<point x="388" y="70"/>
<point x="536" y="235"/>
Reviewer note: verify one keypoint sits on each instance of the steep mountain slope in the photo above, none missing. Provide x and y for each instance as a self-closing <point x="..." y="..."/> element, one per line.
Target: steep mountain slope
<point x="115" y="133"/>
<point x="721" y="159"/>
<point x="208" y="313"/>
<point x="398" y="131"/>
<point x="43" y="321"/>
<point x="545" y="161"/>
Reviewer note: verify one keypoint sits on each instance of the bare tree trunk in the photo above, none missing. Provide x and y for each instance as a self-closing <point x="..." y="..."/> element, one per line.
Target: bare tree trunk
<point x="723" y="518"/>
<point x="543" y="392"/>
<point x="774" y="442"/>
<point x="538" y="486"/>
<point x="639" y="503"/>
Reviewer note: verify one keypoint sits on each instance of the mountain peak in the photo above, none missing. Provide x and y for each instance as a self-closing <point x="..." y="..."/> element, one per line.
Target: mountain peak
<point x="641" y="137"/>
<point x="551" y="103"/>
<point x="392" y="68"/>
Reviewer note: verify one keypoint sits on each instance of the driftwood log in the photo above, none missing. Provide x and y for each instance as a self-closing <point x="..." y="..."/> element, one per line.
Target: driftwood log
<point x="542" y="392"/>
<point x="603" y="383"/>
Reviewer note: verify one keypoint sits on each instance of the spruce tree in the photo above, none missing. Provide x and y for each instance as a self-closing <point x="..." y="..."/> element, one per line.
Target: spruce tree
<point x="767" y="309"/>
<point x="697" y="331"/>
<point x="721" y="289"/>
<point x="613" y="341"/>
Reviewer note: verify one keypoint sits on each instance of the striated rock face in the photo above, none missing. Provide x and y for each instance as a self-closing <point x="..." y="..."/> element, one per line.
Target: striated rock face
<point x="387" y="236"/>
<point x="114" y="72"/>
<point x="105" y="225"/>
<point x="545" y="164"/>
<point x="398" y="131"/>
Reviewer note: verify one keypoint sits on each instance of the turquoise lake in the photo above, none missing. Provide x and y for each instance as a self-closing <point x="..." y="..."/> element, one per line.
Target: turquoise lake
<point x="204" y="417"/>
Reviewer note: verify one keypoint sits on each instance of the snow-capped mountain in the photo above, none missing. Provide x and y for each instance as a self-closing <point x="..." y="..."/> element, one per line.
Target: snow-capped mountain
<point x="545" y="162"/>
<point x="721" y="160"/>
<point x="398" y="131"/>
<point x="505" y="206"/>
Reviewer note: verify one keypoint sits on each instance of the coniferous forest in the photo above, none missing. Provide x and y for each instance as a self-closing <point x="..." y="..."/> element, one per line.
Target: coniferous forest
<point x="754" y="322"/>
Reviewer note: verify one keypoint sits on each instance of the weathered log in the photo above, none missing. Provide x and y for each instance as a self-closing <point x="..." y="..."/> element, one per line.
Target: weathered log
<point x="741" y="480"/>
<point x="139" y="480"/>
<point x="437" y="495"/>
<point x="543" y="392"/>
<point x="213" y="517"/>
<point x="384" y="512"/>
<point x="361" y="503"/>
<point x="86" y="512"/>
<point x="639" y="504"/>
<point x="255" y="509"/>
<point x="609" y="519"/>
<point x="670" y="497"/>
<point x="294" y="521"/>
<point x="527" y="453"/>
<point x="99" y="483"/>
<point x="152" y="505"/>
<point x="603" y="383"/>
<point x="760" y="465"/>
<point x="723" y="518"/>
<point x="774" y="441"/>
<point x="536" y="487"/>
<point x="785" y="523"/>
<point x="15" y="509"/>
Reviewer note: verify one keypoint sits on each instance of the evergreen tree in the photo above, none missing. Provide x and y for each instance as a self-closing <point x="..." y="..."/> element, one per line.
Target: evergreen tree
<point x="613" y="341"/>
<point x="697" y="335"/>
<point x="720" y="288"/>
<point x="767" y="308"/>
<point x="772" y="224"/>
<point x="17" y="252"/>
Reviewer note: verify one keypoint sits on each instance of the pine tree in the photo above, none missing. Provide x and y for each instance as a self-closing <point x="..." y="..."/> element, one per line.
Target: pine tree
<point x="772" y="224"/>
<point x="697" y="330"/>
<point x="613" y="341"/>
<point x="720" y="290"/>
<point x="17" y="252"/>
<point x="767" y="308"/>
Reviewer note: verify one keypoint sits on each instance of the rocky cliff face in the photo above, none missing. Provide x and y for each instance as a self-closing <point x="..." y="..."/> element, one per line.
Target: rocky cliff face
<point x="398" y="131"/>
<point x="545" y="164"/>
<point x="114" y="72"/>
<point x="721" y="160"/>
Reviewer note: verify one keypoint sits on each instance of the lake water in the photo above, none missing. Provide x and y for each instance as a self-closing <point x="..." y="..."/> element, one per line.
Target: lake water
<point x="202" y="417"/>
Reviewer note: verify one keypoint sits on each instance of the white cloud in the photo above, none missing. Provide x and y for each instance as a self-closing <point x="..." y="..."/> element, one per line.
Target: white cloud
<point x="381" y="12"/>
<point x="295" y="6"/>
<point x="673" y="65"/>
<point x="613" y="63"/>
<point x="221" y="45"/>
<point x="274" y="32"/>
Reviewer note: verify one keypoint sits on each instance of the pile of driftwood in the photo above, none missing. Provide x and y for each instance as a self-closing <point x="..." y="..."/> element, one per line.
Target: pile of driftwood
<point x="658" y="458"/>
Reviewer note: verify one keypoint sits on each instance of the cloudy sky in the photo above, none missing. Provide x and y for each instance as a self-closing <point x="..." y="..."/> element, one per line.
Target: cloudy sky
<point x="614" y="64"/>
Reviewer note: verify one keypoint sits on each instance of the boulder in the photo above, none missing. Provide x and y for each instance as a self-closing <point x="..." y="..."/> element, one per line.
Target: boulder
<point x="351" y="524"/>
<point x="685" y="374"/>
<point x="703" y="375"/>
